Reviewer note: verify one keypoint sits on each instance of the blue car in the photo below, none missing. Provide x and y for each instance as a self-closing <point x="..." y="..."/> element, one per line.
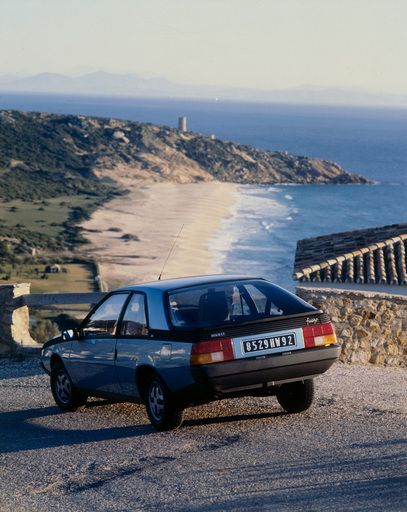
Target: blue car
<point x="180" y="342"/>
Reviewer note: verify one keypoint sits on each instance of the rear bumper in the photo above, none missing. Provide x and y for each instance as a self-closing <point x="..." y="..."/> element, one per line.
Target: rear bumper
<point x="253" y="374"/>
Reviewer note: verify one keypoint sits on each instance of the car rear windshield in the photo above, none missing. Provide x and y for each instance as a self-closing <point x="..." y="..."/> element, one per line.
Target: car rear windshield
<point x="232" y="302"/>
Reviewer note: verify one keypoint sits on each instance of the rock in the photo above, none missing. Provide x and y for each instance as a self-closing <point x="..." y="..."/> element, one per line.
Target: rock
<point x="355" y="320"/>
<point x="401" y="313"/>
<point x="347" y="333"/>
<point x="346" y="311"/>
<point x="386" y="316"/>
<point x="397" y="328"/>
<point x="372" y="325"/>
<point x="377" y="359"/>
<point x="391" y="349"/>
<point x="362" y="332"/>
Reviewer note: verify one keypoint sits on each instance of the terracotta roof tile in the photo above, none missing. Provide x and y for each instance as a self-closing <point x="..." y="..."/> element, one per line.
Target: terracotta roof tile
<point x="381" y="257"/>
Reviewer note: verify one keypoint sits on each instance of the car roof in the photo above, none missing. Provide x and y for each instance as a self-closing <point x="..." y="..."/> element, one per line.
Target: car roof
<point x="166" y="285"/>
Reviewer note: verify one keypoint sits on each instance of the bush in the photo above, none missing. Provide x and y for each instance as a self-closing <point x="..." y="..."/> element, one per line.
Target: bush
<point x="129" y="237"/>
<point x="43" y="330"/>
<point x="65" y="321"/>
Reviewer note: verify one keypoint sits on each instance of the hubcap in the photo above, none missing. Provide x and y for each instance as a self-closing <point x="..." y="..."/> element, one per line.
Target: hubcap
<point x="156" y="401"/>
<point x="63" y="387"/>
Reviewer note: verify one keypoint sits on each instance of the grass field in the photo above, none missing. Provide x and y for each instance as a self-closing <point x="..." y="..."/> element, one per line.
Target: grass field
<point x="79" y="277"/>
<point x="42" y="216"/>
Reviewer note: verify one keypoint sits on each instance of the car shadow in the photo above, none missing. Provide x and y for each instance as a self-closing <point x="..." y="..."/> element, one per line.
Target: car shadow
<point x="19" y="431"/>
<point x="231" y="418"/>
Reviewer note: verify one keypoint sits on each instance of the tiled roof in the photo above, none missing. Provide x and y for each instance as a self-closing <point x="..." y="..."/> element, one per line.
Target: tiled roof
<point x="374" y="256"/>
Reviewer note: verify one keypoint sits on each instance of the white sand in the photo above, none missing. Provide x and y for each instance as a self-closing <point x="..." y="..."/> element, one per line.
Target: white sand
<point x="155" y="213"/>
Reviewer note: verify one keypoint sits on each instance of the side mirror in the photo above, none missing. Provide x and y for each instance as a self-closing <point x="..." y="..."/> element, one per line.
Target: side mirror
<point x="71" y="334"/>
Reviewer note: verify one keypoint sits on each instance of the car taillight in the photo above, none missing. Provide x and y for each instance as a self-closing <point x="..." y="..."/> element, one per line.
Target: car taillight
<point x="318" y="335"/>
<point x="212" y="351"/>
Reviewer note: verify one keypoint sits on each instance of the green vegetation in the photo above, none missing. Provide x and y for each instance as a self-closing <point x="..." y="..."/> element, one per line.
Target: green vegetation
<point x="43" y="330"/>
<point x="45" y="326"/>
<point x="130" y="238"/>
<point x="43" y="216"/>
<point x="27" y="185"/>
<point x="45" y="156"/>
<point x="47" y="188"/>
<point x="82" y="274"/>
<point x="50" y="224"/>
<point x="72" y="145"/>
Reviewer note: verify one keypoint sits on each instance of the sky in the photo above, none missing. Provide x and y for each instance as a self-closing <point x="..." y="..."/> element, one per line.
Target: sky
<point x="261" y="44"/>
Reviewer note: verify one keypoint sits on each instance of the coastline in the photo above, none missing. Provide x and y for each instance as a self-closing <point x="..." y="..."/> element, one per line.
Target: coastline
<point x="269" y="220"/>
<point x="131" y="236"/>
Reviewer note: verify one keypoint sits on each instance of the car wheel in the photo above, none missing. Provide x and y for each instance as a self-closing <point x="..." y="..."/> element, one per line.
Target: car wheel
<point x="162" y="411"/>
<point x="296" y="396"/>
<point x="66" y="395"/>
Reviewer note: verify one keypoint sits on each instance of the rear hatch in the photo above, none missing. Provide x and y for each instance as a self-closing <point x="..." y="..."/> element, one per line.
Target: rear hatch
<point x="263" y="338"/>
<point x="246" y="318"/>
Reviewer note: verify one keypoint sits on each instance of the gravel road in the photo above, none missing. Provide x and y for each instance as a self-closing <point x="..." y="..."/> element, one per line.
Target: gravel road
<point x="348" y="452"/>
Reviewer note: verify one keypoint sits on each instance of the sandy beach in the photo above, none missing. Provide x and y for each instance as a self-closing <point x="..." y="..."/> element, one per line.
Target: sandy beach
<point x="131" y="236"/>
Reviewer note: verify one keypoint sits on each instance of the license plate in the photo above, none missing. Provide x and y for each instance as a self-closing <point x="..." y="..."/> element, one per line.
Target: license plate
<point x="269" y="342"/>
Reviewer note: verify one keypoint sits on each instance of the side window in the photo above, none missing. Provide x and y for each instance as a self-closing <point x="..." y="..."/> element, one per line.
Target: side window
<point x="104" y="320"/>
<point x="264" y="304"/>
<point x="239" y="305"/>
<point x="134" y="320"/>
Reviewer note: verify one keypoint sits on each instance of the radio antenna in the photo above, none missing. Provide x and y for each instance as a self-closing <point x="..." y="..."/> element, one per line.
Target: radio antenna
<point x="170" y="251"/>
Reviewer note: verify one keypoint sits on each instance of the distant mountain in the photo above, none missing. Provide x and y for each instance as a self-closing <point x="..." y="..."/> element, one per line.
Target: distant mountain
<point x="132" y="85"/>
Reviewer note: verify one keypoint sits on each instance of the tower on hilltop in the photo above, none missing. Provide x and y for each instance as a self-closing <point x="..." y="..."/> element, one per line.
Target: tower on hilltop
<point x="182" y="123"/>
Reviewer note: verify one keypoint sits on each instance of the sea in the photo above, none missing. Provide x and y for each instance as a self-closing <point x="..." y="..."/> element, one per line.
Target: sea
<point x="260" y="236"/>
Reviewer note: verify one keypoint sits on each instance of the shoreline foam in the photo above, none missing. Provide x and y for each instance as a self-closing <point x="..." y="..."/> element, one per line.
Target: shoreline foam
<point x="152" y="215"/>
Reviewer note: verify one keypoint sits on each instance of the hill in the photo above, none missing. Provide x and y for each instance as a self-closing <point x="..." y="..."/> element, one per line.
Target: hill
<point x="55" y="170"/>
<point x="48" y="155"/>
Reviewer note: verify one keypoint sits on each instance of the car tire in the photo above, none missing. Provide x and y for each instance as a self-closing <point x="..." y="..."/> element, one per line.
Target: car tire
<point x="66" y="395"/>
<point x="162" y="412"/>
<point x="296" y="397"/>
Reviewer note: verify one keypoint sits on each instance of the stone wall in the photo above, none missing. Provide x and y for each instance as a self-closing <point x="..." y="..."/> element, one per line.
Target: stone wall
<point x="14" y="319"/>
<point x="372" y="327"/>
